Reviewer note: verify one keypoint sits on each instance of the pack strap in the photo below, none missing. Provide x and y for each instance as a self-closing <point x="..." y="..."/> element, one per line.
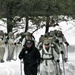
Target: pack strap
<point x="47" y="58"/>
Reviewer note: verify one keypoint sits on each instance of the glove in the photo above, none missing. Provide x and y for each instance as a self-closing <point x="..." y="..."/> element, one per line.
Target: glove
<point x="2" y="38"/>
<point x="7" y="38"/>
<point x="66" y="43"/>
<point x="15" y="43"/>
<point x="57" y="41"/>
<point x="65" y="59"/>
<point x="58" y="60"/>
<point x="62" y="52"/>
<point x="6" y="42"/>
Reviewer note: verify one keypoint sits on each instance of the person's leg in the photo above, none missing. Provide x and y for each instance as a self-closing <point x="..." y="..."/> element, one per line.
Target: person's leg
<point x="1" y="54"/>
<point x="34" y="70"/>
<point x="27" y="70"/>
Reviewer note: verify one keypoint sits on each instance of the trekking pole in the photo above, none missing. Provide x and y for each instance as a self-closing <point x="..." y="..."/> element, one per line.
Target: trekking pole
<point x="58" y="67"/>
<point x="20" y="67"/>
<point x="8" y="58"/>
<point x="38" y="70"/>
<point x="67" y="52"/>
<point x="57" y="62"/>
<point x="15" y="51"/>
<point x="63" y="62"/>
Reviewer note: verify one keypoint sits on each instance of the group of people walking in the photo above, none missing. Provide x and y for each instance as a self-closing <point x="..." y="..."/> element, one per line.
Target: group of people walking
<point x="8" y="47"/>
<point x="45" y="56"/>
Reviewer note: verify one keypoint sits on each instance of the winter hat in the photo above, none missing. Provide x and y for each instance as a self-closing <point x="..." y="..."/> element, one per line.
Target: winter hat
<point x="46" y="42"/>
<point x="28" y="34"/>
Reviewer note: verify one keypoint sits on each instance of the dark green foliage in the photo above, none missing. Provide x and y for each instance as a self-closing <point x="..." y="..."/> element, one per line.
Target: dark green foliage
<point x="34" y="8"/>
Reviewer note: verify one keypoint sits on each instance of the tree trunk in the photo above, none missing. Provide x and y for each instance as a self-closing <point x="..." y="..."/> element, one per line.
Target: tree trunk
<point x="47" y="24"/>
<point x="26" y="27"/>
<point x="9" y="6"/>
<point x="9" y="25"/>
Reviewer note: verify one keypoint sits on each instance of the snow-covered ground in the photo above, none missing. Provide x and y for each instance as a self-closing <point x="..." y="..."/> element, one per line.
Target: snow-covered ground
<point x="10" y="68"/>
<point x="14" y="67"/>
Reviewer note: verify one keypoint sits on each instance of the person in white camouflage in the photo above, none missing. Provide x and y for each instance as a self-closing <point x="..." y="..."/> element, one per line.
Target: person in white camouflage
<point x="18" y="46"/>
<point x="28" y="36"/>
<point x="2" y="46"/>
<point x="62" y="40"/>
<point x="41" y="40"/>
<point x="49" y="57"/>
<point x="10" y="46"/>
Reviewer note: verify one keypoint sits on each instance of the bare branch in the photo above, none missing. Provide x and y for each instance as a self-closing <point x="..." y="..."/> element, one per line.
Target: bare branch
<point x="38" y="28"/>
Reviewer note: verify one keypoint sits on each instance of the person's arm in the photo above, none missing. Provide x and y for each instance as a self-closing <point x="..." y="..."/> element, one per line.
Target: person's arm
<point x="65" y="41"/>
<point x="23" y="41"/>
<point x="21" y="55"/>
<point x="56" y="48"/>
<point x="56" y="56"/>
<point x="67" y="44"/>
<point x="38" y="56"/>
<point x="17" y="39"/>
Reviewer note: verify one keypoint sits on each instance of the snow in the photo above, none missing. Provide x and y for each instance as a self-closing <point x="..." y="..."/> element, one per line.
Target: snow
<point x="3" y="26"/>
<point x="10" y="68"/>
<point x="68" y="30"/>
